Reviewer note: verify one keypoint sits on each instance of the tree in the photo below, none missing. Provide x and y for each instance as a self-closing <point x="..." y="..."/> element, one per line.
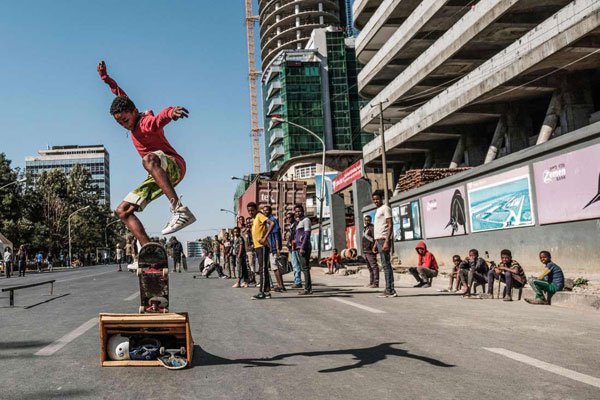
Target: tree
<point x="10" y="202"/>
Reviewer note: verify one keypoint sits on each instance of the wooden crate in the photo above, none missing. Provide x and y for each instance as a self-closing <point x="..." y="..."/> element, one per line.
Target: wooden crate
<point x="176" y="324"/>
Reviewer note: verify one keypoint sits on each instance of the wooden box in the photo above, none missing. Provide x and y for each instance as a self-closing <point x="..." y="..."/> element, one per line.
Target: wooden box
<point x="175" y="324"/>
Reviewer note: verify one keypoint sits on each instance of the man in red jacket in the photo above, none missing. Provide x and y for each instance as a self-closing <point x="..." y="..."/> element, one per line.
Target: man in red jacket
<point x="166" y="168"/>
<point x="427" y="266"/>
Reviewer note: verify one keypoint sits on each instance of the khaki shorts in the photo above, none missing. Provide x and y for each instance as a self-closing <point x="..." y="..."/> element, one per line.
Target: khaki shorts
<point x="148" y="190"/>
<point x="273" y="261"/>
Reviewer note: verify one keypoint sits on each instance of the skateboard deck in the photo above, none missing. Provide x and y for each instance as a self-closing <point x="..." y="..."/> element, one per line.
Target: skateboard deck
<point x="153" y="274"/>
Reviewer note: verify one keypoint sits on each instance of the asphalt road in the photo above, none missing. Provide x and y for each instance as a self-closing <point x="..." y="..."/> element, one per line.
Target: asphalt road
<point x="341" y="343"/>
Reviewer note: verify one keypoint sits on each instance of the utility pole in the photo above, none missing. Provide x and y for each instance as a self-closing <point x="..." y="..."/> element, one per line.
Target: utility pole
<point x="386" y="187"/>
<point x="253" y="75"/>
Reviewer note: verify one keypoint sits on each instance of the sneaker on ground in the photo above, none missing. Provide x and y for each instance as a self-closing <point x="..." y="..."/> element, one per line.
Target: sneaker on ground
<point x="259" y="296"/>
<point x="426" y="285"/>
<point x="181" y="218"/>
<point x="133" y="266"/>
<point x="383" y="295"/>
<point x="394" y="294"/>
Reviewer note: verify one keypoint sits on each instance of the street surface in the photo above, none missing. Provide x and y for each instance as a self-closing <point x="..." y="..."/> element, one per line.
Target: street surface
<point x="341" y="343"/>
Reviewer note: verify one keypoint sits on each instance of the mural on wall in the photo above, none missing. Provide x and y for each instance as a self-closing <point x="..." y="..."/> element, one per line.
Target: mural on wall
<point x="568" y="186"/>
<point x="445" y="213"/>
<point x="329" y="176"/>
<point x="407" y="221"/>
<point x="501" y="201"/>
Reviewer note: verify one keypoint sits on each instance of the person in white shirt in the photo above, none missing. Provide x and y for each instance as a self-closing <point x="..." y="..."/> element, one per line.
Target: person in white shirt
<point x="7" y="262"/>
<point x="383" y="241"/>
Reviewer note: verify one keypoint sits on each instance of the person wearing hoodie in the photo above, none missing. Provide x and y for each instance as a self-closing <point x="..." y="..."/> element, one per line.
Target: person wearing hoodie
<point x="426" y="268"/>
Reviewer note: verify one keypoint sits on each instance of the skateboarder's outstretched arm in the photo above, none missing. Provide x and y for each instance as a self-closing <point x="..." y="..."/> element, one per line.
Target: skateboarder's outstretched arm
<point x="109" y="81"/>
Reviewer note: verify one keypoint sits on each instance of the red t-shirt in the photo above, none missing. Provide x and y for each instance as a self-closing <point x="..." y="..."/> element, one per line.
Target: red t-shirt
<point x="336" y="258"/>
<point x="148" y="135"/>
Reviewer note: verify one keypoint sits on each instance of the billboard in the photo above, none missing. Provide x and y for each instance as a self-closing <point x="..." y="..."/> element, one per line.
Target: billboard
<point x="348" y="176"/>
<point x="406" y="219"/>
<point x="568" y="186"/>
<point x="329" y="176"/>
<point x="501" y="201"/>
<point x="445" y="213"/>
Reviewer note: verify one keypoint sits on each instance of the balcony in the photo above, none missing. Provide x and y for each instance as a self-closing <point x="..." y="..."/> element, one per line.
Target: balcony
<point x="276" y="136"/>
<point x="274" y="104"/>
<point x="272" y="73"/>
<point x="273" y="88"/>
<point x="276" y="152"/>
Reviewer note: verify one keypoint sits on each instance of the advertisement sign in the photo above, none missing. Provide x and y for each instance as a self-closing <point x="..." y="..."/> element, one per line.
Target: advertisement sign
<point x="501" y="201"/>
<point x="351" y="237"/>
<point x="445" y="213"/>
<point x="329" y="177"/>
<point x="349" y="175"/>
<point x="407" y="221"/>
<point x="568" y="186"/>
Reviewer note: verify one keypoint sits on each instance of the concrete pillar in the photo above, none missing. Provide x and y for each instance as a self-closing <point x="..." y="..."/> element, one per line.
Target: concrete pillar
<point x="338" y="221"/>
<point x="459" y="153"/>
<point x="428" y="160"/>
<point x="577" y="101"/>
<point x="361" y="197"/>
<point x="497" y="140"/>
<point x="551" y="119"/>
<point x="519" y="128"/>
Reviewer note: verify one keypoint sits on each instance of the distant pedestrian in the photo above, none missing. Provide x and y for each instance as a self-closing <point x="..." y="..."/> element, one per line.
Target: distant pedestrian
<point x="216" y="248"/>
<point x="8" y="260"/>
<point x="39" y="258"/>
<point x="177" y="249"/>
<point x="550" y="281"/>
<point x="303" y="247"/>
<point x="261" y="228"/>
<point x="50" y="261"/>
<point x="208" y="266"/>
<point x="294" y="254"/>
<point x="239" y="252"/>
<point x="22" y="259"/>
<point x="119" y="255"/>
<point x="227" y="255"/>
<point x="427" y="267"/>
<point x="368" y="242"/>
<point x="275" y="244"/>
<point x="129" y="251"/>
<point x="250" y="254"/>
<point x="382" y="230"/>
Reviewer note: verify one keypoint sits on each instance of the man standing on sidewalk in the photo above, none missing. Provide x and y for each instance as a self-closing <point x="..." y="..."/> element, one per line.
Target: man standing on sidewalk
<point x="303" y="247"/>
<point x="294" y="255"/>
<point x="8" y="257"/>
<point x="383" y="241"/>
<point x="261" y="228"/>
<point x="368" y="242"/>
<point x="177" y="249"/>
<point x="275" y="242"/>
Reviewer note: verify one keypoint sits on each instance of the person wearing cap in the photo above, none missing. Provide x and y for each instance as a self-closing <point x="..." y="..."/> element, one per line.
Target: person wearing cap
<point x="508" y="271"/>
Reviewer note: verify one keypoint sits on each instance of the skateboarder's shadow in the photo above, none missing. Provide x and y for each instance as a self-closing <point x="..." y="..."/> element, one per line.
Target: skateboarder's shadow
<point x="365" y="356"/>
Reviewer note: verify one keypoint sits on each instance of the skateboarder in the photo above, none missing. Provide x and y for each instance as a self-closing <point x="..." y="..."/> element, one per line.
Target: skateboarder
<point x="165" y="167"/>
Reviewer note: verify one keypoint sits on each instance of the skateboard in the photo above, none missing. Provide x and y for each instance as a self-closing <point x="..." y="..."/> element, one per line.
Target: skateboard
<point x="153" y="274"/>
<point x="173" y="358"/>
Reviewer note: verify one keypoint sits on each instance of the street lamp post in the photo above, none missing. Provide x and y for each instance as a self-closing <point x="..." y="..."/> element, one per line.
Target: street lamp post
<point x="383" y="156"/>
<point x="322" y="197"/>
<point x="69" y="223"/>
<point x="13" y="183"/>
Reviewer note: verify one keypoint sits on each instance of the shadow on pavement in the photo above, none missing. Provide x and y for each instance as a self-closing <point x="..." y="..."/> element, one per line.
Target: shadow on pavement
<point x="25" y="344"/>
<point x="56" y="394"/>
<point x="364" y="356"/>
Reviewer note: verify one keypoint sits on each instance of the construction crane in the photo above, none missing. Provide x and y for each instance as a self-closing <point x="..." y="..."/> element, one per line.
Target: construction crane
<point x="253" y="75"/>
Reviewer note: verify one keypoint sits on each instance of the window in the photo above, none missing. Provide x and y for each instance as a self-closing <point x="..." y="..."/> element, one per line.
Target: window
<point x="306" y="172"/>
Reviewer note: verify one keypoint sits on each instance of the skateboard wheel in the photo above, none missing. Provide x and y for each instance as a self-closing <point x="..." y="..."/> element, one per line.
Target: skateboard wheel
<point x="141" y="310"/>
<point x="165" y="271"/>
<point x="182" y="351"/>
<point x="161" y="351"/>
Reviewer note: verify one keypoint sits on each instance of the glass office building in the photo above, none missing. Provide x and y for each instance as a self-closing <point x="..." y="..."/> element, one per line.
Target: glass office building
<point x="94" y="158"/>
<point x="316" y="88"/>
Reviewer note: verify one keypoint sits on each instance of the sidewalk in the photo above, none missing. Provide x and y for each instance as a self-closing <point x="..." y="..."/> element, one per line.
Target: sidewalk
<point x="359" y="274"/>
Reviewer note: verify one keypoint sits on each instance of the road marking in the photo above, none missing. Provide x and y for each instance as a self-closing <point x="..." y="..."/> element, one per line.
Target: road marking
<point x="133" y="296"/>
<point x="555" y="369"/>
<point x="83" y="277"/>
<point x="68" y="338"/>
<point x="353" y="304"/>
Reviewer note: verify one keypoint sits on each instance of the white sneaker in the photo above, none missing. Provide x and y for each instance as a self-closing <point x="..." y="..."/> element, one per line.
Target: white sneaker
<point x="133" y="266"/>
<point x="181" y="218"/>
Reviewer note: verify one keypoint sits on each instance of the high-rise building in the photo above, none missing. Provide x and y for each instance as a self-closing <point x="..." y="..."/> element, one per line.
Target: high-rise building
<point x="194" y="249"/>
<point x="287" y="24"/>
<point x="346" y="19"/>
<point x="94" y="158"/>
<point x="315" y="88"/>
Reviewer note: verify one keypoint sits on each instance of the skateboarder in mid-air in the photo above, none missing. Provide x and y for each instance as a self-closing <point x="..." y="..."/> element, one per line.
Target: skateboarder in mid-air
<point x="166" y="168"/>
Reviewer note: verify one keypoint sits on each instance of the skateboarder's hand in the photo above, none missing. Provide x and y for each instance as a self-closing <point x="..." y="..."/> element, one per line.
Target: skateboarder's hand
<point x="102" y="68"/>
<point x="179" y="112"/>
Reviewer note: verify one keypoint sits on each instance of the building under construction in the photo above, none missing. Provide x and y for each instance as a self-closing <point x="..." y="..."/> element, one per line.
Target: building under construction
<point x="507" y="87"/>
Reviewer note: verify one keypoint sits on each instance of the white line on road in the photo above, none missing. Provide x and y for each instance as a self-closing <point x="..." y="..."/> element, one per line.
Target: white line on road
<point x="555" y="369"/>
<point x="68" y="338"/>
<point x="83" y="277"/>
<point x="353" y="304"/>
<point x="133" y="296"/>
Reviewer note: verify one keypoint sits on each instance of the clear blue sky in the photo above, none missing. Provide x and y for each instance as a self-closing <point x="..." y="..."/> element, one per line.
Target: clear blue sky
<point x="175" y="52"/>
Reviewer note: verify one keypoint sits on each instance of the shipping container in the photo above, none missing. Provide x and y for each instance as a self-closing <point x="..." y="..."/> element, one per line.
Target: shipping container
<point x="280" y="195"/>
